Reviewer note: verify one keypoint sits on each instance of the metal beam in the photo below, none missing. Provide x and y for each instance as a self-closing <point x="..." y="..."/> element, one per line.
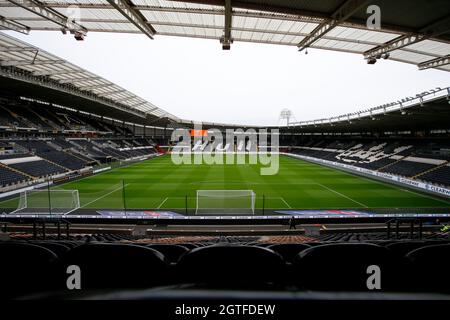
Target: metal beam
<point x="110" y="93"/>
<point x="433" y="30"/>
<point x="343" y="13"/>
<point x="226" y="38"/>
<point x="72" y="81"/>
<point x="17" y="49"/>
<point x="50" y="14"/>
<point x="134" y="16"/>
<point x="435" y="63"/>
<point x="16" y="63"/>
<point x="138" y="104"/>
<point x="13" y="25"/>
<point x="95" y="87"/>
<point x="54" y="73"/>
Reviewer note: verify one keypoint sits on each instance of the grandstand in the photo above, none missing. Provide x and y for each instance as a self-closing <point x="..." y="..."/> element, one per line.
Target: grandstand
<point x="88" y="175"/>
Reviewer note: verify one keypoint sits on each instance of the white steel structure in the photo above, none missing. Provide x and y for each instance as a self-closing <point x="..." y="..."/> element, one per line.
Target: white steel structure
<point x="210" y="202"/>
<point x="415" y="32"/>
<point x="58" y="202"/>
<point x="52" y="71"/>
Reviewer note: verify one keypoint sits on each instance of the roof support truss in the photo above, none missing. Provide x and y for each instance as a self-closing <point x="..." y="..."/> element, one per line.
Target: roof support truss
<point x="133" y="16"/>
<point x="43" y="11"/>
<point x="226" y="38"/>
<point x="110" y="93"/>
<point x="17" y="49"/>
<point x="16" y="63"/>
<point x="76" y="80"/>
<point x="434" y="30"/>
<point x="13" y="25"/>
<point x="90" y="88"/>
<point x="53" y="73"/>
<point x="435" y="63"/>
<point x="343" y="13"/>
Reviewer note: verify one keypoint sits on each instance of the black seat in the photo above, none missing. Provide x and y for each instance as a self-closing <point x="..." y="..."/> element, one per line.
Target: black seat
<point x="289" y="250"/>
<point x="402" y="248"/>
<point x="431" y="268"/>
<point x="172" y="252"/>
<point x="343" y="266"/>
<point x="188" y="245"/>
<point x="57" y="248"/>
<point x="25" y="268"/>
<point x="109" y="265"/>
<point x="230" y="266"/>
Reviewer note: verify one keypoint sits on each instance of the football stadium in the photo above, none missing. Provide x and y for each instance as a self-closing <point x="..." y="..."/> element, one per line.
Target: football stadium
<point x="109" y="196"/>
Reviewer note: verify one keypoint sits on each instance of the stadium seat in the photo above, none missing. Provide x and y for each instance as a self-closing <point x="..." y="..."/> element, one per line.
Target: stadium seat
<point x="431" y="268"/>
<point x="172" y="252"/>
<point x="57" y="248"/>
<point x="402" y="248"/>
<point x="289" y="250"/>
<point x="343" y="266"/>
<point x="25" y="268"/>
<point x="112" y="265"/>
<point x="231" y="266"/>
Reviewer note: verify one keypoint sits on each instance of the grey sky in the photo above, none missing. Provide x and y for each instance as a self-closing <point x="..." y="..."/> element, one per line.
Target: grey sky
<point x="194" y="79"/>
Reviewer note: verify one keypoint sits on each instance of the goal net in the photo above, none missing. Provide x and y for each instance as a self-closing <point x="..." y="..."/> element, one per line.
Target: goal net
<point x="48" y="202"/>
<point x="225" y="202"/>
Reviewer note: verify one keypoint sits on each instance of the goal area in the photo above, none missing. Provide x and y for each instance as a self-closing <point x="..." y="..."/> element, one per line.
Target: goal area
<point x="217" y="202"/>
<point x="46" y="202"/>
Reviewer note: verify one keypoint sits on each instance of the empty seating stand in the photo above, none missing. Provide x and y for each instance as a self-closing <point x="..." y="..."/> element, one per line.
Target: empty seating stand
<point x="39" y="168"/>
<point x="227" y="263"/>
<point x="408" y="168"/>
<point x="8" y="177"/>
<point x="439" y="176"/>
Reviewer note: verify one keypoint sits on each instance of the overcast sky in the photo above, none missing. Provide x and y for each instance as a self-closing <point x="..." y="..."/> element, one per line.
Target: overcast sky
<point x="195" y="79"/>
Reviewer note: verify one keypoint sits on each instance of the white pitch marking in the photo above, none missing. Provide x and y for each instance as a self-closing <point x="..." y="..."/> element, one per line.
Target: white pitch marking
<point x="282" y="199"/>
<point x="106" y="194"/>
<point x="164" y="201"/>
<point x="342" y="195"/>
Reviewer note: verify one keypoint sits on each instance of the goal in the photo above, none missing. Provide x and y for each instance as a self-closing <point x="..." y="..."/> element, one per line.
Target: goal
<point x="225" y="202"/>
<point x="48" y="202"/>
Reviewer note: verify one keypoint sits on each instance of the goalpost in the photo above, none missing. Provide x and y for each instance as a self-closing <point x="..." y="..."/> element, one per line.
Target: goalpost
<point x="48" y="202"/>
<point x="225" y="202"/>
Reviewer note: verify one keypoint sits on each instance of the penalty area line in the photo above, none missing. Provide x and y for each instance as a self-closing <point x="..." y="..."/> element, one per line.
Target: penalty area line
<point x="105" y="195"/>
<point x="342" y="195"/>
<point x="161" y="204"/>
<point x="285" y="202"/>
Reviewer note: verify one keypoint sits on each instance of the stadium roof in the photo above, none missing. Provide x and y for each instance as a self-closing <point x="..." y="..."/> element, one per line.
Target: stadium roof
<point x="19" y="54"/>
<point x="416" y="32"/>
<point x="429" y="110"/>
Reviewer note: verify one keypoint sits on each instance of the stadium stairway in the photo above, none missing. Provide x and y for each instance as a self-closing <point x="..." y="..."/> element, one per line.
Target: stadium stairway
<point x="431" y="170"/>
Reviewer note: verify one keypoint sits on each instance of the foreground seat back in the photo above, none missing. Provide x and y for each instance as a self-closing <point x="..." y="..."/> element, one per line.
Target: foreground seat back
<point x="25" y="268"/>
<point x="172" y="252"/>
<point x="289" y="250"/>
<point x="343" y="267"/>
<point x="402" y="248"/>
<point x="431" y="268"/>
<point x="231" y="265"/>
<point x="109" y="265"/>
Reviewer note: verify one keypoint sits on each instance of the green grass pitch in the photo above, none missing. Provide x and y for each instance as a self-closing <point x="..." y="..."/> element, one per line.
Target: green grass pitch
<point x="159" y="184"/>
